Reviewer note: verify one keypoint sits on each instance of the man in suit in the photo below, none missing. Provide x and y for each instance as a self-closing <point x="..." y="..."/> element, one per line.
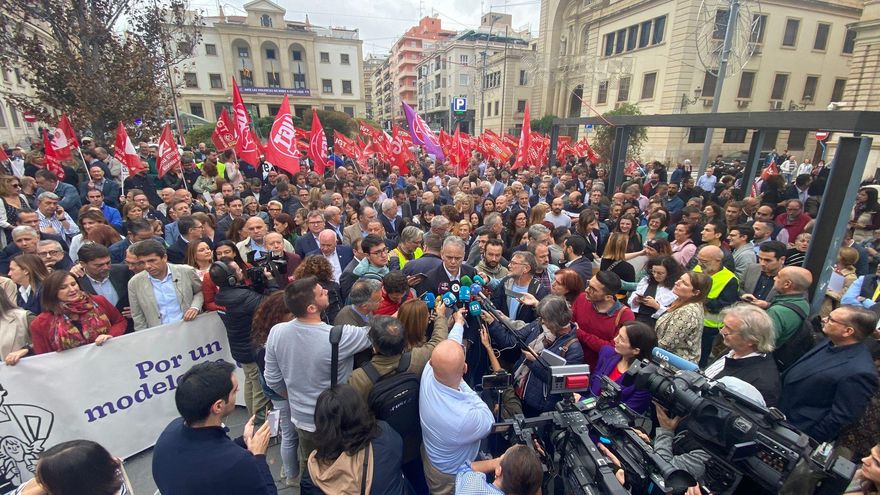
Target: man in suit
<point x="234" y="209"/>
<point x="359" y="230"/>
<point x="542" y="194"/>
<point x="108" y="188"/>
<point x="829" y="387"/>
<point x="190" y="231"/>
<point x="392" y="223"/>
<point x="757" y="283"/>
<point x="333" y="221"/>
<point x="53" y="255"/>
<point x="68" y="198"/>
<point x="138" y="230"/>
<point x="309" y="242"/>
<point x="172" y="230"/>
<point x="521" y="280"/>
<point x="365" y="296"/>
<point x="338" y="256"/>
<point x="27" y="219"/>
<point x="96" y="275"/>
<point x="163" y="293"/>
<point x="575" y="249"/>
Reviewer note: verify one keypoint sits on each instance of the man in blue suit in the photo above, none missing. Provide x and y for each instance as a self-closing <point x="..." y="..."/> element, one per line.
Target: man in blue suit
<point x="309" y="242"/>
<point x="339" y="256"/>
<point x="829" y="387"/>
<point x="108" y="188"/>
<point x="68" y="198"/>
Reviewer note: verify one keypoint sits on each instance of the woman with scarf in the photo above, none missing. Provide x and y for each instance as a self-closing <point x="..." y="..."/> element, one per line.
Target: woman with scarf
<point x="72" y="318"/>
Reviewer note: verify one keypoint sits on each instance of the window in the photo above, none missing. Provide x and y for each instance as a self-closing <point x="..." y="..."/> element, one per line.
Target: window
<point x="244" y="52"/>
<point x="344" y="59"/>
<point x="464" y="79"/>
<point x="609" y="44"/>
<point x="216" y="81"/>
<point x="523" y="77"/>
<point x="735" y="135"/>
<point x="463" y="60"/>
<point x="270" y="54"/>
<point x="789" y="38"/>
<point x="327" y="85"/>
<point x="190" y="80"/>
<point x="810" y="89"/>
<point x="721" y="17"/>
<point x="210" y="49"/>
<point x="697" y="135"/>
<point x="644" y="34"/>
<point x="14" y="114"/>
<point x="520" y="106"/>
<point x="709" y="81"/>
<point x="821" y="41"/>
<point x="585" y="39"/>
<point x="759" y="24"/>
<point x="348" y="111"/>
<point x="632" y="33"/>
<point x="796" y="140"/>
<point x="2" y="119"/>
<point x="296" y="55"/>
<point x="837" y="92"/>
<point x="623" y="89"/>
<point x="346" y="87"/>
<point x="5" y="75"/>
<point x="602" y="94"/>
<point x="273" y="80"/>
<point x="620" y="41"/>
<point x="325" y="57"/>
<point x="329" y="108"/>
<point x="266" y="21"/>
<point x="197" y="109"/>
<point x="659" y="29"/>
<point x="18" y="76"/>
<point x="849" y="41"/>
<point x="770" y="138"/>
<point x="246" y="77"/>
<point x="648" y="84"/>
<point x="496" y="108"/>
<point x="488" y="109"/>
<point x="299" y="81"/>
<point x="779" y="84"/>
<point x="746" y="83"/>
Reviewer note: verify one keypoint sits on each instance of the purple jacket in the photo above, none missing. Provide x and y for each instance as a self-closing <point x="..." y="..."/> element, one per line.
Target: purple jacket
<point x="637" y="400"/>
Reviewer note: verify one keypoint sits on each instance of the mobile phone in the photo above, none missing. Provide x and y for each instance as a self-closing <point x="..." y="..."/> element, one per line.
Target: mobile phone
<point x="273" y="418"/>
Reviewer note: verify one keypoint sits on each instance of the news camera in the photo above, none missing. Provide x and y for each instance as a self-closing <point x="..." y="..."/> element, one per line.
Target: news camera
<point x="274" y="264"/>
<point x="742" y="438"/>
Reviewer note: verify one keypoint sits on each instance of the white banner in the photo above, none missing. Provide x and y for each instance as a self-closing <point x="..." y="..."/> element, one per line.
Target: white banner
<point x="120" y="395"/>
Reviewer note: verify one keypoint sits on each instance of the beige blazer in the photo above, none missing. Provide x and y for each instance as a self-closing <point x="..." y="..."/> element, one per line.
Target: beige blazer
<point x="14" y="334"/>
<point x="350" y="233"/>
<point x="145" y="310"/>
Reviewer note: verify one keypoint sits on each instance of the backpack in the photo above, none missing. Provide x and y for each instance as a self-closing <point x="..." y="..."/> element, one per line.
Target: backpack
<point x="394" y="398"/>
<point x="799" y="343"/>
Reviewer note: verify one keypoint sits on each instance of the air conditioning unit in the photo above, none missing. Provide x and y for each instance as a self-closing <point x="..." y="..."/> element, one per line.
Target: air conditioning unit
<point x="707" y="102"/>
<point x="742" y="103"/>
<point x="775" y="104"/>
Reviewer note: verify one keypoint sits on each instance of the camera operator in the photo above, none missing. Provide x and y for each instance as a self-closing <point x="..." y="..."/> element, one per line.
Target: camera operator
<point x="517" y="472"/>
<point x="553" y="331"/>
<point x="281" y="263"/>
<point x="241" y="303"/>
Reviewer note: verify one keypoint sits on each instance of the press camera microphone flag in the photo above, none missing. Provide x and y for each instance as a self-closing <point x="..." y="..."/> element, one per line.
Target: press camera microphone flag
<point x="479" y="280"/>
<point x="448" y="299"/>
<point x="474" y="308"/>
<point x="664" y="356"/>
<point x="430" y="299"/>
<point x="464" y="294"/>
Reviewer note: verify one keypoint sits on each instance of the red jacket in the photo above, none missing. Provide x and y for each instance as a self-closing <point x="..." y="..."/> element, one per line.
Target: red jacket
<point x="41" y="335"/>
<point x="597" y="329"/>
<point x="389" y="307"/>
<point x="794" y="228"/>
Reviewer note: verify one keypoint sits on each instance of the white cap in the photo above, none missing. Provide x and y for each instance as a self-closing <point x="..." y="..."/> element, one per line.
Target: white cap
<point x="743" y="388"/>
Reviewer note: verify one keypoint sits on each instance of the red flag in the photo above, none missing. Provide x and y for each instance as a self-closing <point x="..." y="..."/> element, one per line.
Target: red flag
<point x="3" y="156"/>
<point x="281" y="148"/>
<point x="525" y="141"/>
<point x="771" y="169"/>
<point x="400" y="154"/>
<point x="318" y="145"/>
<point x="342" y="144"/>
<point x="65" y="126"/>
<point x="223" y="136"/>
<point x="169" y="155"/>
<point x="64" y="139"/>
<point x="53" y="162"/>
<point x="123" y="150"/>
<point x="368" y="131"/>
<point x="459" y="154"/>
<point x="246" y="146"/>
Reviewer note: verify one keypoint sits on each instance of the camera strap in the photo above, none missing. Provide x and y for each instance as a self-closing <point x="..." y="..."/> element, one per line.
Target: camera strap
<point x="335" y="337"/>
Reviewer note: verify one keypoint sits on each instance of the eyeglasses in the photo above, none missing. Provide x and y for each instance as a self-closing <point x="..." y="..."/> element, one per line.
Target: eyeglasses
<point x="828" y="319"/>
<point x="274" y="209"/>
<point x="49" y="254"/>
<point x="17" y="186"/>
<point x="381" y="251"/>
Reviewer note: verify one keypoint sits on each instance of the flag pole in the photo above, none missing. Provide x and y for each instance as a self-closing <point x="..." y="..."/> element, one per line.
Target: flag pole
<point x="86" y="165"/>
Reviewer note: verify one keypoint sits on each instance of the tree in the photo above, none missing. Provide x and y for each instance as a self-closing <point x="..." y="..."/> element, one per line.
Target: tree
<point x="603" y="139"/>
<point x="201" y="134"/>
<point x="76" y="60"/>
<point x="543" y="124"/>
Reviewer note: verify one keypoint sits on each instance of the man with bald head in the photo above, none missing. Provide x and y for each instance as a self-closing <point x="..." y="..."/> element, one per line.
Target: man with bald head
<point x="333" y="221"/>
<point x="454" y="418"/>
<point x="253" y="247"/>
<point x="359" y="229"/>
<point x="339" y="256"/>
<point x="724" y="292"/>
<point x="791" y="284"/>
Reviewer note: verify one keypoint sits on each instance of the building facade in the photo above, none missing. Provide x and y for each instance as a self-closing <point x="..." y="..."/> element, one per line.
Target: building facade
<point x="398" y="77"/>
<point x="597" y="55"/>
<point x="371" y="64"/>
<point x="269" y="57"/>
<point x="494" y="89"/>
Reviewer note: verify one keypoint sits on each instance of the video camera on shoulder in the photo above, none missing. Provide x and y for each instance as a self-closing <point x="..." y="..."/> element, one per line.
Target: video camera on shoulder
<point x="274" y="264"/>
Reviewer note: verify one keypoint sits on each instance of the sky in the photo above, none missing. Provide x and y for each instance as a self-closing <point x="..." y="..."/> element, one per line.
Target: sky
<point x="381" y="22"/>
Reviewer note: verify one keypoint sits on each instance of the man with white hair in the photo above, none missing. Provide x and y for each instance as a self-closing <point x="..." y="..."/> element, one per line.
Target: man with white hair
<point x="392" y="222"/>
<point x="339" y="256"/>
<point x="333" y="221"/>
<point x="53" y="255"/>
<point x="52" y="217"/>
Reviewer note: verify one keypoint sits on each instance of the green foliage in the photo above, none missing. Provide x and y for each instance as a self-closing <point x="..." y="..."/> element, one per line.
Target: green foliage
<point x="332" y="121"/>
<point x="543" y="124"/>
<point x="200" y="134"/>
<point x="262" y="126"/>
<point x="602" y="140"/>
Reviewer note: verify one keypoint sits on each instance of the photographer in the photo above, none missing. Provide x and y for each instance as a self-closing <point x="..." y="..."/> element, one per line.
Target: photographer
<point x="517" y="472"/>
<point x="553" y="331"/>
<point x="241" y="303"/>
<point x="281" y="263"/>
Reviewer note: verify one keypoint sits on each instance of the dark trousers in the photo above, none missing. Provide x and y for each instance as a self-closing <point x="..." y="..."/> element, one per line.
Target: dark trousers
<point x="706" y="342"/>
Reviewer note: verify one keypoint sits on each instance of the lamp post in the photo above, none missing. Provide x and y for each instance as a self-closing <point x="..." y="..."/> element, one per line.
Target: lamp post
<point x="485" y="53"/>
<point x="686" y="102"/>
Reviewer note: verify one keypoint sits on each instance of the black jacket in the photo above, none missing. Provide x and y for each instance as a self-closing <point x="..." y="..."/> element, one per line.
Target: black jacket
<point x="241" y="303"/>
<point x="523" y="312"/>
<point x="119" y="275"/>
<point x="760" y="372"/>
<point x="11" y="250"/>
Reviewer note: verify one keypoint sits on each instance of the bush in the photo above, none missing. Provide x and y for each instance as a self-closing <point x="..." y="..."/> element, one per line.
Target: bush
<point x="200" y="134"/>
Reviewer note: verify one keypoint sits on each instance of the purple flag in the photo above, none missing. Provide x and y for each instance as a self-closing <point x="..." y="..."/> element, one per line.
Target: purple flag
<point x="421" y="133"/>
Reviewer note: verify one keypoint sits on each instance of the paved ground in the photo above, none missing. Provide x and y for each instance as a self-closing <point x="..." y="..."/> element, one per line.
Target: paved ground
<point x="139" y="467"/>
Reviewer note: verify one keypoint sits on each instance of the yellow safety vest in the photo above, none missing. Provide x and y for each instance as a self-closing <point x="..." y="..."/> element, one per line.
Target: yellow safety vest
<point x="400" y="259"/>
<point x="719" y="282"/>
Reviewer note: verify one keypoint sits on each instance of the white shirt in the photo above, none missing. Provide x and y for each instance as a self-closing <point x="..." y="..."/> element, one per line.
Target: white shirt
<point x="718" y="366"/>
<point x="333" y="258"/>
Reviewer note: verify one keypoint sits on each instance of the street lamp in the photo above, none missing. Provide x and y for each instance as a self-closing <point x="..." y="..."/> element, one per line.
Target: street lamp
<point x="686" y="102"/>
<point x="485" y="53"/>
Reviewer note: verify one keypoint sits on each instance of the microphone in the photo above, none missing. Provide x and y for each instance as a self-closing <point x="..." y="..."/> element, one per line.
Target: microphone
<point x="476" y="289"/>
<point x="478" y="280"/>
<point x="474" y="308"/>
<point x="466" y="281"/>
<point x="664" y="356"/>
<point x="464" y="294"/>
<point x="448" y="299"/>
<point x="430" y="299"/>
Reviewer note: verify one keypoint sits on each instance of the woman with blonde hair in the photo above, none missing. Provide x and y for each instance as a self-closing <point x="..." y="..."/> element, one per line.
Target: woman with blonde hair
<point x="614" y="260"/>
<point x="847" y="258"/>
<point x="415" y="317"/>
<point x="539" y="211"/>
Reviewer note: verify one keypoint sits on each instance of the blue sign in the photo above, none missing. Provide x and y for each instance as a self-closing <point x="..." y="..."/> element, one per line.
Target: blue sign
<point x="588" y="127"/>
<point x="459" y="104"/>
<point x="250" y="90"/>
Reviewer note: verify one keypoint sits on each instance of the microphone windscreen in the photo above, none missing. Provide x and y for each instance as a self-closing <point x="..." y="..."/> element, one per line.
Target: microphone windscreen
<point x="466" y="280"/>
<point x="479" y="280"/>
<point x="430" y="300"/>
<point x="674" y="360"/>
<point x="448" y="299"/>
<point x="474" y="308"/>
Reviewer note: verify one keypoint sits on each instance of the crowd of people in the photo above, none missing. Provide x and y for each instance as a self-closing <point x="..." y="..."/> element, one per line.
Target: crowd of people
<point x="330" y="287"/>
